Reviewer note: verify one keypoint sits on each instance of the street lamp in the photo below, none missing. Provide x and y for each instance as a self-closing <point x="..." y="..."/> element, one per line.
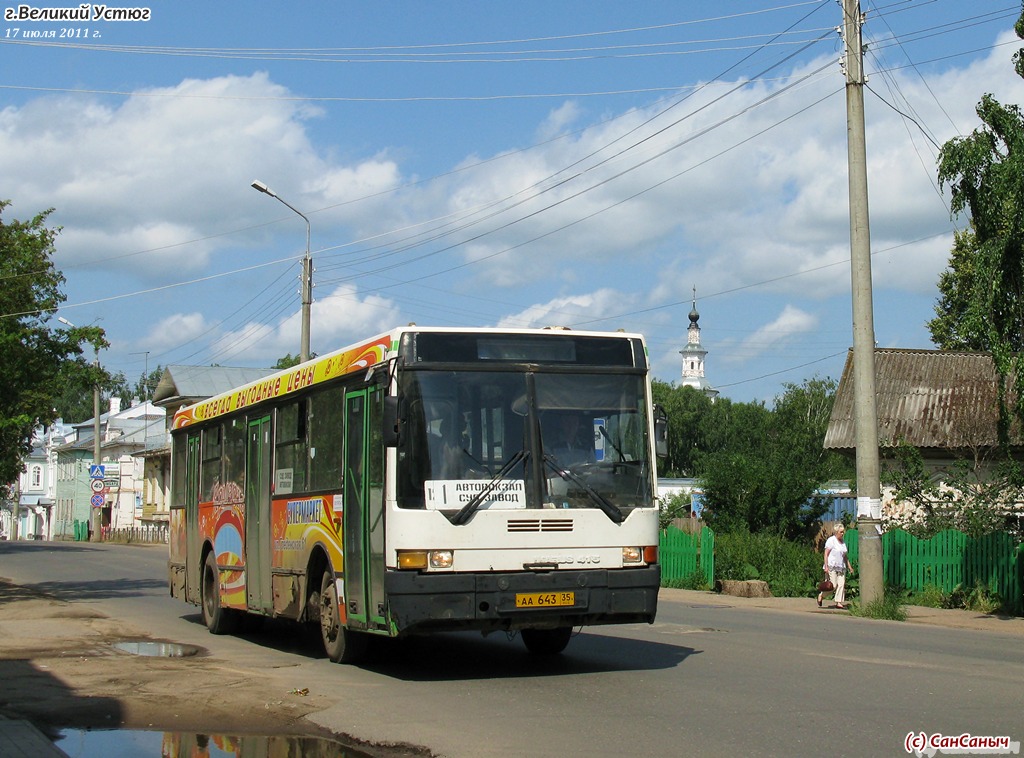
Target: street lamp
<point x="307" y="272"/>
<point x="96" y="454"/>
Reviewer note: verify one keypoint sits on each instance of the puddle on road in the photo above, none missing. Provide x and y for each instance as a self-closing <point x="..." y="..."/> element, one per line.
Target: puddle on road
<point x="115" y="743"/>
<point x="156" y="649"/>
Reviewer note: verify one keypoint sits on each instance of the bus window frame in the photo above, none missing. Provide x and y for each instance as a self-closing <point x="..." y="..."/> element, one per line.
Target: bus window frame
<point x="209" y="475"/>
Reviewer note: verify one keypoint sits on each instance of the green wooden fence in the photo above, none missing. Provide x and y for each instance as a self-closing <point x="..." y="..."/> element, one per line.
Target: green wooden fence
<point x="949" y="559"/>
<point x="681" y="555"/>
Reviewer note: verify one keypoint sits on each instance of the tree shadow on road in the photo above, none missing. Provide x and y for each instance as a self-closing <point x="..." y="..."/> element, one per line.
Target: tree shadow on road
<point x="71" y="590"/>
<point x="38" y="696"/>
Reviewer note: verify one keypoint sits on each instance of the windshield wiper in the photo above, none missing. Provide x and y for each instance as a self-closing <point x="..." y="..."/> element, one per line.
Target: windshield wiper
<point x="610" y="510"/>
<point x="479" y="463"/>
<point x="604" y="433"/>
<point x="477" y="500"/>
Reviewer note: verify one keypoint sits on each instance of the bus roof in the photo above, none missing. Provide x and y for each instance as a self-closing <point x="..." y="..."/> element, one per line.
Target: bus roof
<point x="357" y="357"/>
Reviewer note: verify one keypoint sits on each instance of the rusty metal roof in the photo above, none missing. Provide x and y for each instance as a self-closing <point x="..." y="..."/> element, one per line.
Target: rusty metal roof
<point x="929" y="398"/>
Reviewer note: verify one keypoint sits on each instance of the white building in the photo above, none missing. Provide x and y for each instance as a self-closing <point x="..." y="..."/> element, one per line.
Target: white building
<point x="35" y="490"/>
<point x="125" y="436"/>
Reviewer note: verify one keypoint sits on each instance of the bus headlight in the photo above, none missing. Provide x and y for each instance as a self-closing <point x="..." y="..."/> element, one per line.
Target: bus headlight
<point x="632" y="555"/>
<point x="640" y="556"/>
<point x="441" y="559"/>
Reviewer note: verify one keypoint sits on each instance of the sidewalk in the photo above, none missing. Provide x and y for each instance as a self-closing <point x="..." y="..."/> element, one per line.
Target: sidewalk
<point x="20" y="739"/>
<point x="916" y="614"/>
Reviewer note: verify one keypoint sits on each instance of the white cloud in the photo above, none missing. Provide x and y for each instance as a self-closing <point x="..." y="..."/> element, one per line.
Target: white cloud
<point x="169" y="165"/>
<point x="559" y="119"/>
<point x="786" y="327"/>
<point x="568" y="310"/>
<point x="174" y="330"/>
<point x="337" y="318"/>
<point x="750" y="211"/>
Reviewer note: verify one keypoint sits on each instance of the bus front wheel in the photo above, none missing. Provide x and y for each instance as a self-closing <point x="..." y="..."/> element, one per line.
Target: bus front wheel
<point x="547" y="641"/>
<point x="341" y="645"/>
<point x="218" y="619"/>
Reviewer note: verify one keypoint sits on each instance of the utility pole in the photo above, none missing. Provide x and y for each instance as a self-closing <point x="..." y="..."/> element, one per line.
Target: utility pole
<point x="97" y="513"/>
<point x="16" y="508"/>
<point x="869" y="495"/>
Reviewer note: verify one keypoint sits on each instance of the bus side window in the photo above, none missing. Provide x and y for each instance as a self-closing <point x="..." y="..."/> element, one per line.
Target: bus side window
<point x="235" y="436"/>
<point x="291" y="449"/>
<point x="326" y="444"/>
<point x="210" y="470"/>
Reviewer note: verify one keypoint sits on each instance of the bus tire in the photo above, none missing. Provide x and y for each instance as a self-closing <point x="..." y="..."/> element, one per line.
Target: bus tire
<point x="547" y="641"/>
<point x="218" y="619"/>
<point x="341" y="645"/>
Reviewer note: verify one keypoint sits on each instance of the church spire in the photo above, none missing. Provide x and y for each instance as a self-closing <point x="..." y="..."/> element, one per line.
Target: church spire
<point x="693" y="355"/>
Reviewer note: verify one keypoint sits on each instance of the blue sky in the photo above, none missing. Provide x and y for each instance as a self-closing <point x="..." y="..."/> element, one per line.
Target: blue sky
<point x="493" y="163"/>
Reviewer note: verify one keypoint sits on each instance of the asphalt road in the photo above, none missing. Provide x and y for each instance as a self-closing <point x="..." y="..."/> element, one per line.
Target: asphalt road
<point x="707" y="678"/>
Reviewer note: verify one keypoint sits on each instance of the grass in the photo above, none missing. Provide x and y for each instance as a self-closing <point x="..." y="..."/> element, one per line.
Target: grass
<point x="790" y="569"/>
<point x="980" y="598"/>
<point x="694" y="581"/>
<point x="930" y="597"/>
<point x="889" y="607"/>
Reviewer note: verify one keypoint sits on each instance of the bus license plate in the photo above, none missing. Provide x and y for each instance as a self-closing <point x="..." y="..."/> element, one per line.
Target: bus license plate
<point x="544" y="599"/>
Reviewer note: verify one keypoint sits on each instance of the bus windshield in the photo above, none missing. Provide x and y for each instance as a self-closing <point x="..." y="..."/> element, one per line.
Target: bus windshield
<point x="505" y="440"/>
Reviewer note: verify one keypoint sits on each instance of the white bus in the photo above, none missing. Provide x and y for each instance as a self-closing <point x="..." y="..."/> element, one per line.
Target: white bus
<point x="426" y="480"/>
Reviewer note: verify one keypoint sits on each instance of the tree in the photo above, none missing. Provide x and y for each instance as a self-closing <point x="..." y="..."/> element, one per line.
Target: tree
<point x="74" y="402"/>
<point x="146" y="385"/>
<point x="985" y="173"/>
<point x="955" y="326"/>
<point x="686" y="409"/>
<point x="971" y="494"/>
<point x="770" y="463"/>
<point x="288" y="361"/>
<point x="34" y="356"/>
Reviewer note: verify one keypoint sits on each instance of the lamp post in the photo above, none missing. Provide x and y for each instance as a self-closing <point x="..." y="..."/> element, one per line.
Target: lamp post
<point x="96" y="454"/>
<point x="307" y="271"/>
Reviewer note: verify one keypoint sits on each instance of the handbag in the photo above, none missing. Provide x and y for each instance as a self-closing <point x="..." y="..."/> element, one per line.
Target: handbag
<point x="825" y="585"/>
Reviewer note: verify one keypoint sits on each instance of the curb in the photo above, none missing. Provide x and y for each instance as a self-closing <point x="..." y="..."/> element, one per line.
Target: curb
<point x="21" y="739"/>
<point x="916" y="614"/>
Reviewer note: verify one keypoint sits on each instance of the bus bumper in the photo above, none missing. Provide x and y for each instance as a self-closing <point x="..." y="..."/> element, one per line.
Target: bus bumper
<point x="487" y="602"/>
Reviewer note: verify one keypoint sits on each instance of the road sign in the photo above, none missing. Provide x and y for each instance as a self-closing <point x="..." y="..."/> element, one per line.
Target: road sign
<point x="98" y="485"/>
<point x="98" y="501"/>
<point x="96" y="471"/>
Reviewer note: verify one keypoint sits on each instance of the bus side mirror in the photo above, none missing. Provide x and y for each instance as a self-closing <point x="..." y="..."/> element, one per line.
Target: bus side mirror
<point x="660" y="432"/>
<point x="392" y="422"/>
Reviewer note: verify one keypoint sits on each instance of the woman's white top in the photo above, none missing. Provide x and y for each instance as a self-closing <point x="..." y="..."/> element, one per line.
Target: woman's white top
<point x="836" y="553"/>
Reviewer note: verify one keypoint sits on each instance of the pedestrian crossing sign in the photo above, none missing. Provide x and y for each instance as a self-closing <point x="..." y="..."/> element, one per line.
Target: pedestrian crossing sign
<point x="96" y="471"/>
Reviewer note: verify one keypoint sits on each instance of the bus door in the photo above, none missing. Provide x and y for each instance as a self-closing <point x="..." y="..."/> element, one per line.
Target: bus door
<point x="257" y="516"/>
<point x="193" y="565"/>
<point x="364" y="507"/>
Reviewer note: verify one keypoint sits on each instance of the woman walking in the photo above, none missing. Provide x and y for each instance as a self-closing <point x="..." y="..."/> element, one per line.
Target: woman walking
<point x="837" y="565"/>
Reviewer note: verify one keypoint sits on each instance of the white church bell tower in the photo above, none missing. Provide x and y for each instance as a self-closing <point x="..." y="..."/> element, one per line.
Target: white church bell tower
<point x="693" y="356"/>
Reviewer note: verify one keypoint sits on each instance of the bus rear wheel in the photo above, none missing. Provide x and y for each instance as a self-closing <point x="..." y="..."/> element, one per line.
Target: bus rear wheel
<point x="218" y="619"/>
<point x="547" y="641"/>
<point x="341" y="645"/>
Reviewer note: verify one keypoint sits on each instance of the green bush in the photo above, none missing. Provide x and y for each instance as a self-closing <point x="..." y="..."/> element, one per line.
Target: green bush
<point x="980" y="598"/>
<point x="790" y="569"/>
<point x="677" y="506"/>
<point x="889" y="607"/>
<point x="694" y="581"/>
<point x="930" y="597"/>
